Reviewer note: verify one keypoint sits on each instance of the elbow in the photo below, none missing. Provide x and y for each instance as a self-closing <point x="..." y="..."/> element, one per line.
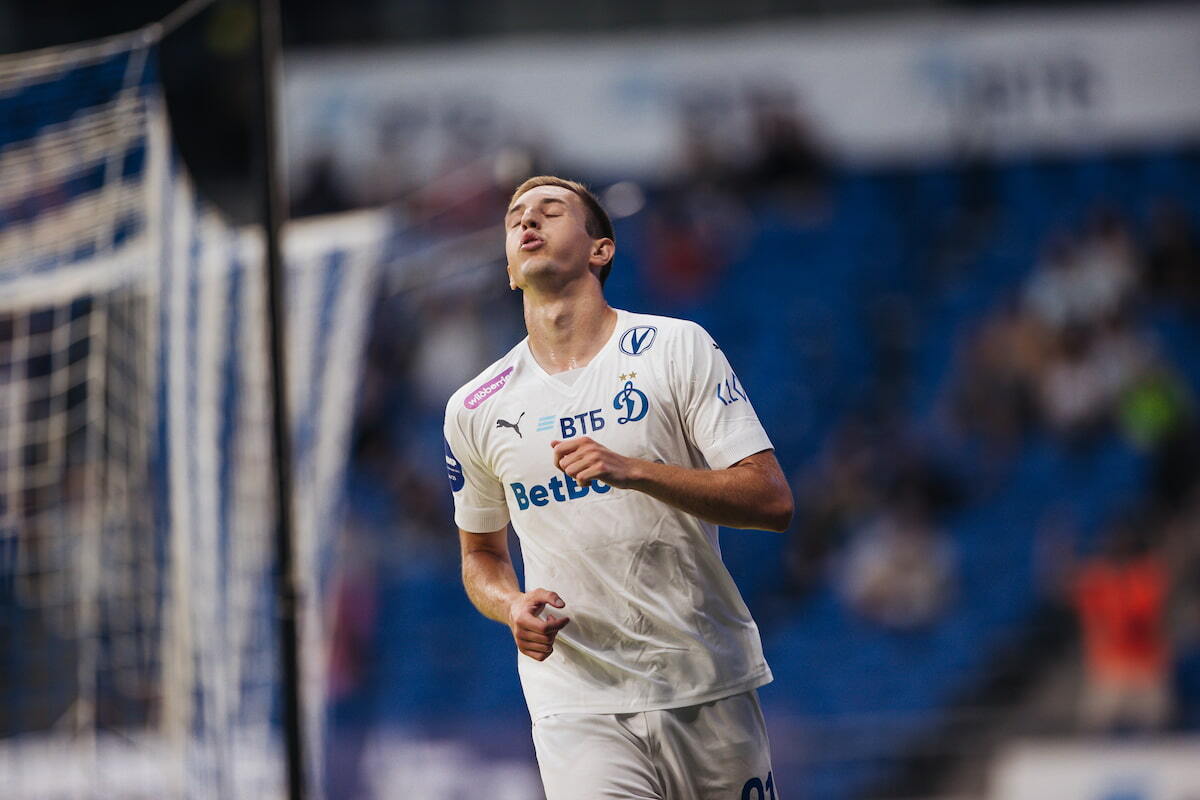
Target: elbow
<point x="780" y="521"/>
<point x="779" y="514"/>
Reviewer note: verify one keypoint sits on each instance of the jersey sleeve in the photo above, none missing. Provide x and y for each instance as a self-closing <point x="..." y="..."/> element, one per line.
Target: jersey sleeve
<point x="479" y="505"/>
<point x="714" y="406"/>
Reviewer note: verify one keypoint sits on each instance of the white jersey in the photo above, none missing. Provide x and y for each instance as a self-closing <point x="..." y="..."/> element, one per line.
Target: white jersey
<point x="656" y="620"/>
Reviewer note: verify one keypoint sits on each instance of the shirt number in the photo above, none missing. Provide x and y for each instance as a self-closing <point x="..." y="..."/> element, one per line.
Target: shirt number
<point x="755" y="790"/>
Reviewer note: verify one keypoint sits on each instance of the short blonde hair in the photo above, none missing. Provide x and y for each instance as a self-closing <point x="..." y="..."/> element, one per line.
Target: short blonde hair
<point x="598" y="225"/>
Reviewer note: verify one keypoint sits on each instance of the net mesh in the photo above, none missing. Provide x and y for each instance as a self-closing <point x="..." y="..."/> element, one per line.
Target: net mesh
<point x="136" y="522"/>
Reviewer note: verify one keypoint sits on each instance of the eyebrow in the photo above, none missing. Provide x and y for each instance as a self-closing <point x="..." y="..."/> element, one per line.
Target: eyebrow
<point x="543" y="201"/>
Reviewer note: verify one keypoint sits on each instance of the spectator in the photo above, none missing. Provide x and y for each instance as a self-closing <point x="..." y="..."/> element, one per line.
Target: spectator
<point x="1156" y="415"/>
<point x="1119" y="597"/>
<point x="691" y="241"/>
<point x="1183" y="551"/>
<point x="840" y="491"/>
<point x="1073" y="393"/>
<point x="1050" y="295"/>
<point x="994" y="393"/>
<point x="789" y="165"/>
<point x="1108" y="265"/>
<point x="453" y="344"/>
<point x="899" y="572"/>
<point x="1077" y="284"/>
<point x="1173" y="263"/>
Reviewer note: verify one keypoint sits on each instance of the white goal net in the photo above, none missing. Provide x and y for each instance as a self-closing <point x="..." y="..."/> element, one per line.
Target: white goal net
<point x="139" y="654"/>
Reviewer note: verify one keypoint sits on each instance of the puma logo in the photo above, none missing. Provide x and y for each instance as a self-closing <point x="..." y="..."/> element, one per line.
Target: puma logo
<point x="503" y="423"/>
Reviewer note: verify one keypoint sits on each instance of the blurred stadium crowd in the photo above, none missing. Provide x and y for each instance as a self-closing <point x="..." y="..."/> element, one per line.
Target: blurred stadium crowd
<point x="980" y="376"/>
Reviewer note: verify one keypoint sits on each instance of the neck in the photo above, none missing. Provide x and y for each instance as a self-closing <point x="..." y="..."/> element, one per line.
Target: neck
<point x="566" y="330"/>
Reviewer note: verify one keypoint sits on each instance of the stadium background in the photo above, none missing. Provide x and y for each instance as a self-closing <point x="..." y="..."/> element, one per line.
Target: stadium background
<point x="951" y="248"/>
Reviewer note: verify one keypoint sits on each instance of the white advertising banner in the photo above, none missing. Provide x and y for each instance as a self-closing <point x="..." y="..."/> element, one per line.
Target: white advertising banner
<point x="1154" y="770"/>
<point x="883" y="89"/>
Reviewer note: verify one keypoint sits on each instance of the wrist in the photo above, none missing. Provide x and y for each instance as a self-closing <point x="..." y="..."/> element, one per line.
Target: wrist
<point x="513" y="603"/>
<point x="639" y="473"/>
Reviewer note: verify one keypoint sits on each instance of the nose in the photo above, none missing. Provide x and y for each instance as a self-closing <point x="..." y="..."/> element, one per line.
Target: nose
<point x="530" y="218"/>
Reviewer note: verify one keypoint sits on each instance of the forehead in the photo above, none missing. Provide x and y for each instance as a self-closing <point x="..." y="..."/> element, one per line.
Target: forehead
<point x="541" y="194"/>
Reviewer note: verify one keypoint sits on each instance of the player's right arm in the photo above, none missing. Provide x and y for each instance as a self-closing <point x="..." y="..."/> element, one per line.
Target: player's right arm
<point x="491" y="584"/>
<point x="487" y="569"/>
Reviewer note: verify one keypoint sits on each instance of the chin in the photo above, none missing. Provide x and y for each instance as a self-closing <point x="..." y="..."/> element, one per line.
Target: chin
<point x="541" y="270"/>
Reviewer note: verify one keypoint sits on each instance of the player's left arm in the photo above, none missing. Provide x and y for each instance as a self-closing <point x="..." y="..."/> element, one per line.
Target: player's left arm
<point x="752" y="493"/>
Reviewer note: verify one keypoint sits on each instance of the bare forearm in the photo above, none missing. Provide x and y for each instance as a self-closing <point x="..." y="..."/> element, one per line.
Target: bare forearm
<point x="491" y="583"/>
<point x="753" y="493"/>
<point x="742" y="496"/>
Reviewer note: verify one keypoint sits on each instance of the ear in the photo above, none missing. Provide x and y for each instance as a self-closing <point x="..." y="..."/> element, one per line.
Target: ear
<point x="602" y="252"/>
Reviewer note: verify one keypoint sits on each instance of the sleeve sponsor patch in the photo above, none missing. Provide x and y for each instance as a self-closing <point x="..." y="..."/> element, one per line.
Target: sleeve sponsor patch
<point x="453" y="469"/>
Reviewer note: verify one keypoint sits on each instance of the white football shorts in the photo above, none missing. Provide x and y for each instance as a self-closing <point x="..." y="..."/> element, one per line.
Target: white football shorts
<point x="712" y="751"/>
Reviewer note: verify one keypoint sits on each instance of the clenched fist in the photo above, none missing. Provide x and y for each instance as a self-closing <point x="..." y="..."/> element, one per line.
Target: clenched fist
<point x="586" y="460"/>
<point x="535" y="636"/>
